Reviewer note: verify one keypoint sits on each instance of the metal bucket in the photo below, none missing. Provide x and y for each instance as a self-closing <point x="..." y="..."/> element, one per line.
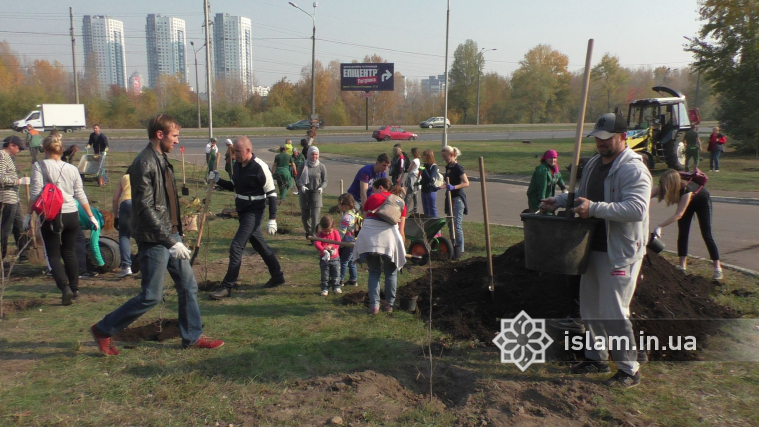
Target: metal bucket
<point x="655" y="244"/>
<point x="408" y="303"/>
<point x="555" y="244"/>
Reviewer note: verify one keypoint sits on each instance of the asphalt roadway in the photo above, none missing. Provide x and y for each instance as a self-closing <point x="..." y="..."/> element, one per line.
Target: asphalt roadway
<point x="733" y="225"/>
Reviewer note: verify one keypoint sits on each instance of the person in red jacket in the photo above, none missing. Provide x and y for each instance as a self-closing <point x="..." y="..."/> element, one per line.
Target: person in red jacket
<point x="329" y="262"/>
<point x="716" y="147"/>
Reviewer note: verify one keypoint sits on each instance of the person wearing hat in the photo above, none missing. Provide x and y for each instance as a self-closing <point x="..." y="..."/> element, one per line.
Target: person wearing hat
<point x="229" y="157"/>
<point x="544" y="180"/>
<point x="9" y="182"/>
<point x="615" y="187"/>
<point x="211" y="152"/>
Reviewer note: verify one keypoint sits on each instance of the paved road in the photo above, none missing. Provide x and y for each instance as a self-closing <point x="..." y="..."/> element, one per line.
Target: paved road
<point x="733" y="225"/>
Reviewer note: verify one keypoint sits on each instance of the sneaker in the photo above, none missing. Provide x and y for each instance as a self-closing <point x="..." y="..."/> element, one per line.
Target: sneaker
<point x="351" y="283"/>
<point x="623" y="380"/>
<point x="49" y="273"/>
<point x="67" y="296"/>
<point x="104" y="343"/>
<point x="338" y="291"/>
<point x="374" y="310"/>
<point x="387" y="308"/>
<point x="126" y="271"/>
<point x="681" y="268"/>
<point x="716" y="170"/>
<point x="76" y="294"/>
<point x="718" y="274"/>
<point x="206" y="342"/>
<point x="568" y="324"/>
<point x="590" y="367"/>
<point x="324" y="293"/>
<point x="221" y="293"/>
<point x="89" y="275"/>
<point x="274" y="282"/>
<point x="295" y="191"/>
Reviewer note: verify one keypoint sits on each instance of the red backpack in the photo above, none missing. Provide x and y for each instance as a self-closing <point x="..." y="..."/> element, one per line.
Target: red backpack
<point x="696" y="176"/>
<point x="50" y="201"/>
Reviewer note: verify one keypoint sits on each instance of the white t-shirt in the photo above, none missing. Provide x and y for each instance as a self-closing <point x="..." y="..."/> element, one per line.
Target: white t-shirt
<point x="413" y="169"/>
<point x="215" y="148"/>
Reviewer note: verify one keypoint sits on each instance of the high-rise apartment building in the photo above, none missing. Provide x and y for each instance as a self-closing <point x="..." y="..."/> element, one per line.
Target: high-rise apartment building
<point x="167" y="48"/>
<point x="135" y="83"/>
<point x="104" y="50"/>
<point x="435" y="84"/>
<point x="232" y="49"/>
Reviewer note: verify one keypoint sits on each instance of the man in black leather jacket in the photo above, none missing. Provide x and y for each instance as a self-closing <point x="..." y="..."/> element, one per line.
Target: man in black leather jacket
<point x="156" y="227"/>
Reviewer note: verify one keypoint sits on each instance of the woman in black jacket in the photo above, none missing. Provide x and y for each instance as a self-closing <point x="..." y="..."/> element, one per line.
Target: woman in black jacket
<point x="429" y="191"/>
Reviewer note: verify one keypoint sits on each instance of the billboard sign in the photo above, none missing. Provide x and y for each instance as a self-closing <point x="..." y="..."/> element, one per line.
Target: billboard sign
<point x="367" y="76"/>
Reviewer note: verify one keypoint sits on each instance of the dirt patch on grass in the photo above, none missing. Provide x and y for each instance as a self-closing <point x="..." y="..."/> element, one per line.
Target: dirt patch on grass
<point x="460" y="398"/>
<point x="666" y="303"/>
<point x="158" y="330"/>
<point x="16" y="305"/>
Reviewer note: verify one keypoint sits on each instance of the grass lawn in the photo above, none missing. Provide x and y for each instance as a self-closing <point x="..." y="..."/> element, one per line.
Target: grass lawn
<point x="288" y="350"/>
<point x="738" y="173"/>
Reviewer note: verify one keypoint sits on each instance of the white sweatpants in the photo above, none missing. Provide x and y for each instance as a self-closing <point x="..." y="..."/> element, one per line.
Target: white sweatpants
<point x="605" y="295"/>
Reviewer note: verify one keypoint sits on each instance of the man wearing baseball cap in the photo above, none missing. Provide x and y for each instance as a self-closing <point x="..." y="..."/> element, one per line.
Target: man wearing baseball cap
<point x="9" y="182"/>
<point x="616" y="187"/>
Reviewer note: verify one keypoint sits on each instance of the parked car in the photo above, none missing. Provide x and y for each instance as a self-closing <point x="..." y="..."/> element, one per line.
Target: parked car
<point x="303" y="124"/>
<point x="434" y="122"/>
<point x="386" y="133"/>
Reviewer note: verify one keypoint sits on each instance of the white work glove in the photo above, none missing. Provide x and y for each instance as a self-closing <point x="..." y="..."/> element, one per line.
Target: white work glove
<point x="179" y="251"/>
<point x="564" y="191"/>
<point x="327" y="255"/>
<point x="303" y="188"/>
<point x="24" y="181"/>
<point x="94" y="222"/>
<point x="319" y="190"/>
<point x="27" y="222"/>
<point x="214" y="176"/>
<point x="657" y="231"/>
<point x="271" y="227"/>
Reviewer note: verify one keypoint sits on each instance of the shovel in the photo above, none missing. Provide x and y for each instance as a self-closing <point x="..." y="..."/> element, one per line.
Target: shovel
<point x="185" y="190"/>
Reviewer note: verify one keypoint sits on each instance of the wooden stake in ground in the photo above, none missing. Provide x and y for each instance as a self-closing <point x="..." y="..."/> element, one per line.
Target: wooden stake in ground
<point x="578" y="134"/>
<point x="486" y="215"/>
<point x="204" y="216"/>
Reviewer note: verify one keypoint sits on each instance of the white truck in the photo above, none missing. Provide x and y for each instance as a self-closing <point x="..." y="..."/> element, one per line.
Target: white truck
<point x="64" y="117"/>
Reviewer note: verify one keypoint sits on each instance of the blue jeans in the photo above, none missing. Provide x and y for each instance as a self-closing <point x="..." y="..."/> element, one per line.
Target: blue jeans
<point x="347" y="265"/>
<point x="458" y="225"/>
<point x="330" y="271"/>
<point x="375" y="263"/>
<point x="154" y="261"/>
<point x="125" y="233"/>
<point x="714" y="160"/>
<point x="429" y="204"/>
<point x="249" y="230"/>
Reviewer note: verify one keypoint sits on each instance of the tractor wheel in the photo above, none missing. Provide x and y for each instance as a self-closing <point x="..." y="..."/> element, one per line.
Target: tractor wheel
<point x="674" y="152"/>
<point x="649" y="159"/>
<point x="421" y="250"/>
<point x="441" y="249"/>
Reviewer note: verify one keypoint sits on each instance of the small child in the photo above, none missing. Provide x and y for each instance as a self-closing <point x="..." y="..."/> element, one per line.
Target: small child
<point x="347" y="230"/>
<point x="330" y="261"/>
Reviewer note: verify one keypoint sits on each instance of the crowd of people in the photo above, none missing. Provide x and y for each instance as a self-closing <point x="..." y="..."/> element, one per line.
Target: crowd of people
<point x="616" y="186"/>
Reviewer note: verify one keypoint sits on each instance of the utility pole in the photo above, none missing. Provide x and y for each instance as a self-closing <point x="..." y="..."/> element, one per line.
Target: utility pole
<point x="197" y="85"/>
<point x="445" y="103"/>
<point x="206" y="10"/>
<point x="313" y="57"/>
<point x="73" y="54"/>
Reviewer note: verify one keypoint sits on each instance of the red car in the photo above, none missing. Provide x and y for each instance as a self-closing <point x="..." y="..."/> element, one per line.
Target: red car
<point x="386" y="133"/>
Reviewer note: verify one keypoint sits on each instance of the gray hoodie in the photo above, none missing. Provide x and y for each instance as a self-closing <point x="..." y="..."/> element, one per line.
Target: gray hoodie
<point x="627" y="195"/>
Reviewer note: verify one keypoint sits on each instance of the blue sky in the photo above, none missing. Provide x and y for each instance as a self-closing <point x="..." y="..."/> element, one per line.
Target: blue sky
<point x="410" y="33"/>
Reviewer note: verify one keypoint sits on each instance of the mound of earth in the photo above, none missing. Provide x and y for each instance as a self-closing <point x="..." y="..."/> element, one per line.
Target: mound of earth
<point x="667" y="303"/>
<point x="158" y="330"/>
<point x="16" y="305"/>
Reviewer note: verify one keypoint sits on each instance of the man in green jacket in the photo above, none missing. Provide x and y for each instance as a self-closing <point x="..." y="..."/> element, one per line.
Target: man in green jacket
<point x="33" y="141"/>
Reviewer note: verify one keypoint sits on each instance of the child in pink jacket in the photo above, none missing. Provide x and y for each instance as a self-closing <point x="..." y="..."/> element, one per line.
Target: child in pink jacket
<point x="330" y="258"/>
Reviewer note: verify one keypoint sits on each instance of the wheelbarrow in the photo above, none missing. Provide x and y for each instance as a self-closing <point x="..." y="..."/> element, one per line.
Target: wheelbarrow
<point x="417" y="227"/>
<point x="91" y="164"/>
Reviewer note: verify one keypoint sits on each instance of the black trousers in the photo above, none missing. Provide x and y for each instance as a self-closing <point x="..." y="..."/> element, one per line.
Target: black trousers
<point x="250" y="230"/>
<point x="702" y="210"/>
<point x="60" y="237"/>
<point x="7" y="215"/>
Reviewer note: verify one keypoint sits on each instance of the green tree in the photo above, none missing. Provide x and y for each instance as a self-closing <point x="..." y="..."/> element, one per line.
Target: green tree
<point x="540" y="86"/>
<point x="612" y="78"/>
<point x="467" y="64"/>
<point x="727" y="54"/>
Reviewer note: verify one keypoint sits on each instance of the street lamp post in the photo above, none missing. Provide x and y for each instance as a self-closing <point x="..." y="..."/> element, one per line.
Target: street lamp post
<point x="479" y="71"/>
<point x="197" y="85"/>
<point x="313" y="56"/>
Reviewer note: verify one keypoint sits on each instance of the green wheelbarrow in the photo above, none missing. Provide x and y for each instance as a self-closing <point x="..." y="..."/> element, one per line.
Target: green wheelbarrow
<point x="418" y="227"/>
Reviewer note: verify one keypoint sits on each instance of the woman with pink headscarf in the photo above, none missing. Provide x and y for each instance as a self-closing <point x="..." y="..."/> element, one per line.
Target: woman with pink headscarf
<point x="544" y="180"/>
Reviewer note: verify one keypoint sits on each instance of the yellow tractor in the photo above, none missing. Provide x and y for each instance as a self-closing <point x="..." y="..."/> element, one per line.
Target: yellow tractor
<point x="656" y="127"/>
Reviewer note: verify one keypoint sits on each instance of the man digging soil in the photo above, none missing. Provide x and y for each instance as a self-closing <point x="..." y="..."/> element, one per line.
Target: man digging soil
<point x="616" y="187"/>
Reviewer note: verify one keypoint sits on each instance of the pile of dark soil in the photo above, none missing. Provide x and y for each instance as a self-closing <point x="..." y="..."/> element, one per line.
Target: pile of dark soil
<point x="667" y="303"/>
<point x="159" y="330"/>
<point x="17" y="305"/>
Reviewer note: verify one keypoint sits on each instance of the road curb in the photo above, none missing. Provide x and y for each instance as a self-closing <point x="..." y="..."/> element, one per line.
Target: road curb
<point x="736" y="200"/>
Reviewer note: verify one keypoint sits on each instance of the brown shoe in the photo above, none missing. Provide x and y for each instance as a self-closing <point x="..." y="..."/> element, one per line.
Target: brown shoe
<point x="206" y="342"/>
<point x="104" y="343"/>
